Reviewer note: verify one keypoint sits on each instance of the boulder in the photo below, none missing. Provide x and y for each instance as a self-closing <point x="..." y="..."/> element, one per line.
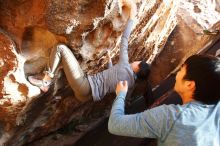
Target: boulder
<point x="164" y="34"/>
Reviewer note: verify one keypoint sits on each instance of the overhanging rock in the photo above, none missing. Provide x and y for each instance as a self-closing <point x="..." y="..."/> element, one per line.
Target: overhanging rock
<point x="165" y="33"/>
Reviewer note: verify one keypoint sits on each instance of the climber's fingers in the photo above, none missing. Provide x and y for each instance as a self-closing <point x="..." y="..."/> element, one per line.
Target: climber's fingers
<point x="128" y="6"/>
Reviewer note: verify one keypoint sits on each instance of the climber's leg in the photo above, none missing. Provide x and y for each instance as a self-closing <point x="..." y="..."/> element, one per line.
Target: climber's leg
<point x="74" y="74"/>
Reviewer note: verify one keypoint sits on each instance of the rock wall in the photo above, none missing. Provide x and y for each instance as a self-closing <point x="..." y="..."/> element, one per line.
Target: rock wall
<point x="165" y="33"/>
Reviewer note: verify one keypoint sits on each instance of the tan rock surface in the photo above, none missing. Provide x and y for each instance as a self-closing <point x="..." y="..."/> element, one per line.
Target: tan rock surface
<point x="166" y="32"/>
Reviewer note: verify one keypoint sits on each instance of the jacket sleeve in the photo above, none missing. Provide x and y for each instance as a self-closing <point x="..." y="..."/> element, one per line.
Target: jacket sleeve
<point x="153" y="123"/>
<point x="110" y="63"/>
<point x="123" y="55"/>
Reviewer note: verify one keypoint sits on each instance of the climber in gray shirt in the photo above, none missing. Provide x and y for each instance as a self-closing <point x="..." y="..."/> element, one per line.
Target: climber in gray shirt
<point x="98" y="85"/>
<point x="106" y="81"/>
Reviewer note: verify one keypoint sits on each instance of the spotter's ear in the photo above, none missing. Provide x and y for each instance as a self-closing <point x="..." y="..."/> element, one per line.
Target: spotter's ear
<point x="191" y="85"/>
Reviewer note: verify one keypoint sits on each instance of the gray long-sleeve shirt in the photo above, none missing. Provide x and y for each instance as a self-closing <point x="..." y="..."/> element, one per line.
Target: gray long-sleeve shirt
<point x="106" y="81"/>
<point x="191" y="124"/>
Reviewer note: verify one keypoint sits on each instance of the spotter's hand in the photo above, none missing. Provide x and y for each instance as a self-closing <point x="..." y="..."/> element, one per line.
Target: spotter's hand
<point x="121" y="86"/>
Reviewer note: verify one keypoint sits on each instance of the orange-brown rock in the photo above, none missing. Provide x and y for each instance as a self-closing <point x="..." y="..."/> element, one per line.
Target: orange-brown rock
<point x="165" y="33"/>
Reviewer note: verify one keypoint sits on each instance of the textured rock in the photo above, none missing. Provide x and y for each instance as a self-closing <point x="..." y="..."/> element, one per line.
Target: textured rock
<point x="16" y="91"/>
<point x="165" y="33"/>
<point x="194" y="32"/>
